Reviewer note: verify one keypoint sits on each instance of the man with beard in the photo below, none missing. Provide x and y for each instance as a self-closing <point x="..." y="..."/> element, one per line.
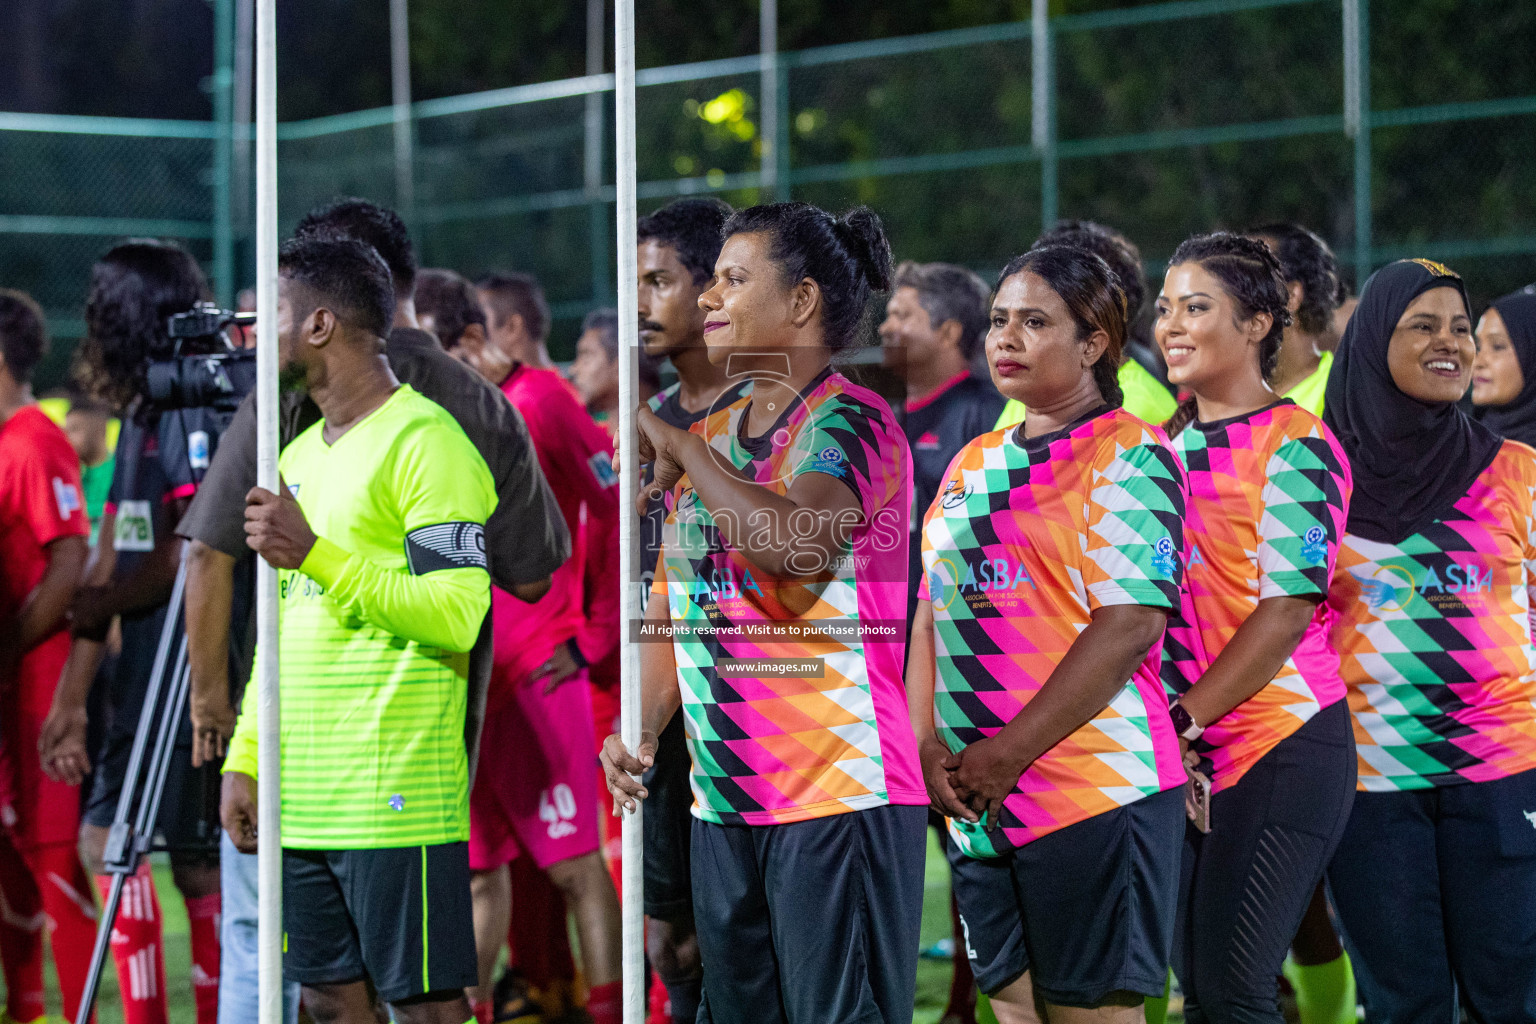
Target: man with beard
<point x="525" y="541"/>
<point x="378" y="535"/>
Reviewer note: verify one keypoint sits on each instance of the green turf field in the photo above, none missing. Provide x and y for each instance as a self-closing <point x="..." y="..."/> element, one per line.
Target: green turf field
<point x="932" y="975"/>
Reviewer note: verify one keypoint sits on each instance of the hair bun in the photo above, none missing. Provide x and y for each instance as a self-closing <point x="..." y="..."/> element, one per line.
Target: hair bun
<point x="864" y="236"/>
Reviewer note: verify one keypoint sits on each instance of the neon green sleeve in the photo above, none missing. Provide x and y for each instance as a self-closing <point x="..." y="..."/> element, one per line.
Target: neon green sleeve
<point x="440" y="609"/>
<point x="241" y="754"/>
<point x="443" y="608"/>
<point x="443" y="496"/>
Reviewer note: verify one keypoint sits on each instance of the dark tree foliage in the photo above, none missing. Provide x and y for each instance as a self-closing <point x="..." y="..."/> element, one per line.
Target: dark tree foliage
<point x="1432" y="183"/>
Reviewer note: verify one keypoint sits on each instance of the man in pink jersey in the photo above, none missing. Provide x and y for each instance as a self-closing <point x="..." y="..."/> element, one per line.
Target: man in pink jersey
<point x="535" y="792"/>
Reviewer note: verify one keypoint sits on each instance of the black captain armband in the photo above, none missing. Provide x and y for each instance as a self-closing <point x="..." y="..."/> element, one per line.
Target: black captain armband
<point x="445" y="546"/>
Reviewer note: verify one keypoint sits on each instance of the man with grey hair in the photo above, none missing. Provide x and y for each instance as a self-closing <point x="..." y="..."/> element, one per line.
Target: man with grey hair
<point x="595" y="370"/>
<point x="934" y="329"/>
<point x="935" y="326"/>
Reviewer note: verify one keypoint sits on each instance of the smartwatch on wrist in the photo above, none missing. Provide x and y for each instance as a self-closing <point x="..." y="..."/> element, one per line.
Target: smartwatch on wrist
<point x="1184" y="723"/>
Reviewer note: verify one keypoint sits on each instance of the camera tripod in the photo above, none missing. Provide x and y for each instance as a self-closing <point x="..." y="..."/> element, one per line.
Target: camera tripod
<point x="213" y="383"/>
<point x="138" y="805"/>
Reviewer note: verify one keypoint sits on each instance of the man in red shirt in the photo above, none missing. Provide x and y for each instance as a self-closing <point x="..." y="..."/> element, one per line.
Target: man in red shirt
<point x="535" y="790"/>
<point x="43" y="547"/>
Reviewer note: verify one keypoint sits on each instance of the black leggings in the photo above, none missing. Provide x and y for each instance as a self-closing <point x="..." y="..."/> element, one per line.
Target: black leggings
<point x="1245" y="885"/>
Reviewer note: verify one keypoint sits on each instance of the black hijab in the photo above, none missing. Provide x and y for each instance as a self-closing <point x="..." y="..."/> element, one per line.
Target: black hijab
<point x="1411" y="460"/>
<point x="1517" y="419"/>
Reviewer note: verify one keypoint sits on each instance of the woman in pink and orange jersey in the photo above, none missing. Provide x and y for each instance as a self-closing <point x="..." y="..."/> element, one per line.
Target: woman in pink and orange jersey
<point x="1051" y="562"/>
<point x="1260" y="705"/>
<point x="782" y="583"/>
<point x="1435" y="879"/>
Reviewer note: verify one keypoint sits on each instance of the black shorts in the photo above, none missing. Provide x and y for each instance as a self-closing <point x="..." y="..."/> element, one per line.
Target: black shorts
<point x="401" y="916"/>
<point x="1436" y="894"/>
<point x="1247" y="883"/>
<point x="189" y="806"/>
<point x="1087" y="910"/>
<point x="668" y="824"/>
<point x="811" y="921"/>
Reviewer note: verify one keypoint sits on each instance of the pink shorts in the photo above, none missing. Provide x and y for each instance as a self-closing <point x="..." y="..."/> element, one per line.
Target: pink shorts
<point x="536" y="785"/>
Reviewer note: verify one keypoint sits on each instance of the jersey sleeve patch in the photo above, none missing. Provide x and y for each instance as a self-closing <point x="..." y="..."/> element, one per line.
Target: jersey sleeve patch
<point x="67" y="497"/>
<point x="445" y="546"/>
<point x="602" y="469"/>
<point x="135" y="526"/>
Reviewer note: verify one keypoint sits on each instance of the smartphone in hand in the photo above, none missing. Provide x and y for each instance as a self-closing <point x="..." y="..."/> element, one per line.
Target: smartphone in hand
<point x="1197" y="799"/>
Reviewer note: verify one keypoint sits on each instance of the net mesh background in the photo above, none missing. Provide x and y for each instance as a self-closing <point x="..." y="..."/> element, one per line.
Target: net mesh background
<point x="1159" y="149"/>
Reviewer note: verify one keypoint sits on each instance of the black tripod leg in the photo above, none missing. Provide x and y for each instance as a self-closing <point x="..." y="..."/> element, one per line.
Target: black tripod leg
<point x="99" y="951"/>
<point x="154" y="788"/>
<point x="164" y="750"/>
<point x="126" y="843"/>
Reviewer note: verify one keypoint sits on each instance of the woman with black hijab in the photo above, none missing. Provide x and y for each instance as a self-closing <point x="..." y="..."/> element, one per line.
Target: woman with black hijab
<point x="1504" y="373"/>
<point x="1435" y="880"/>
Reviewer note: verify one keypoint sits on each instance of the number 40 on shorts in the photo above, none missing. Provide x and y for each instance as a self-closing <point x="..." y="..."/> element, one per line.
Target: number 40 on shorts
<point x="557" y="808"/>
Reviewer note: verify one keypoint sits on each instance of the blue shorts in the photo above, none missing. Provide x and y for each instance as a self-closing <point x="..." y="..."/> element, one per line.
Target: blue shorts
<point x="1087" y="911"/>
<point x="1436" y="894"/>
<point x="814" y="922"/>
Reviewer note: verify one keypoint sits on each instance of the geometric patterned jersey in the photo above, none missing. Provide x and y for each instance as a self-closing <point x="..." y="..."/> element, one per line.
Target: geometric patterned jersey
<point x="1024" y="542"/>
<point x="1434" y="639"/>
<point x="775" y="743"/>
<point x="1268" y="498"/>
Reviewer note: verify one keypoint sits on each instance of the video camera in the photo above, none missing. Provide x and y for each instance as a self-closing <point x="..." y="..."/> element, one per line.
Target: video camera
<point x="210" y="380"/>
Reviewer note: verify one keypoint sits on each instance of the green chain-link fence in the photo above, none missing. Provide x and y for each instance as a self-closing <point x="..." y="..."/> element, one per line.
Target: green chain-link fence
<point x="1160" y="119"/>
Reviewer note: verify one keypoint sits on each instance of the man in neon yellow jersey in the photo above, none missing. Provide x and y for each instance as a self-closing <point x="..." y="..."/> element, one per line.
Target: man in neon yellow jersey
<point x="1146" y="396"/>
<point x="1316" y="291"/>
<point x="380" y="542"/>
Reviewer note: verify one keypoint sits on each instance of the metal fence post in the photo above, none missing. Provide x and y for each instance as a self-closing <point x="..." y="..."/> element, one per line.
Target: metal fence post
<point x="781" y="129"/>
<point x="1043" y="108"/>
<point x="241" y="181"/>
<point x="768" y="98"/>
<point x="223" y="151"/>
<point x="592" y="159"/>
<point x="1357" y="124"/>
<point x="400" y="87"/>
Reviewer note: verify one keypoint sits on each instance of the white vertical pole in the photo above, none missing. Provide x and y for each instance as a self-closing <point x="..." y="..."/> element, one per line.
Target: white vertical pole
<point x="269" y="866"/>
<point x="768" y="97"/>
<point x="629" y="481"/>
<point x="400" y="85"/>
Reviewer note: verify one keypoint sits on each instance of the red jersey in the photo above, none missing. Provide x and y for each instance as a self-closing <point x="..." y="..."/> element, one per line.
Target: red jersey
<point x="40" y="502"/>
<point x="576" y="457"/>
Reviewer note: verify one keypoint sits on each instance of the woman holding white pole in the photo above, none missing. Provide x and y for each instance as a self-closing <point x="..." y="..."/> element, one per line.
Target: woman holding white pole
<point x="784" y="573"/>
